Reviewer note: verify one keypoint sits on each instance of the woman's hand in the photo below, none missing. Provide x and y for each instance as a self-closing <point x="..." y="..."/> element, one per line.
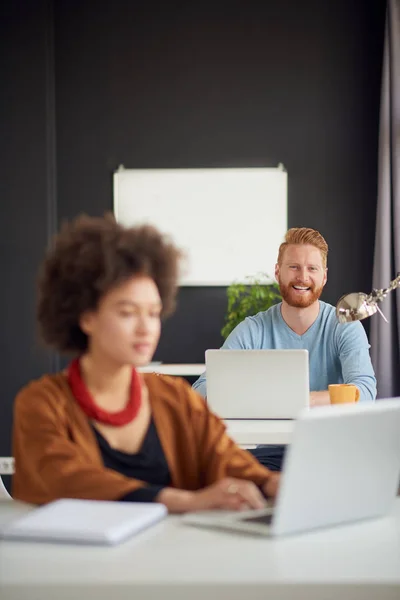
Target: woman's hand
<point x="228" y="494"/>
<point x="270" y="488"/>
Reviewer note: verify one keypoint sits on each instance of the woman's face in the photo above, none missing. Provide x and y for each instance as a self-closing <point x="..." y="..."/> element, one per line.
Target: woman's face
<point x="126" y="326"/>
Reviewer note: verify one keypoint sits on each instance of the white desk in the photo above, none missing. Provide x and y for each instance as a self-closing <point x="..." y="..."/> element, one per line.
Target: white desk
<point x="253" y="432"/>
<point x="245" y="433"/>
<point x="177" y="562"/>
<point x="184" y="370"/>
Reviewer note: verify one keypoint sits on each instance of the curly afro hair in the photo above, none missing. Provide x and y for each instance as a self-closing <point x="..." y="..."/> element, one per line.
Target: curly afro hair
<point x="89" y="257"/>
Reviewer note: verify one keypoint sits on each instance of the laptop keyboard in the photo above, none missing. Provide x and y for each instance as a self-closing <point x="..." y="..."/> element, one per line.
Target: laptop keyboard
<point x="261" y="519"/>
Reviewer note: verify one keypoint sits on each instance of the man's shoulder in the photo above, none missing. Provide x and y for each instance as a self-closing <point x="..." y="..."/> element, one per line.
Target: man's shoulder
<point x="327" y="313"/>
<point x="331" y="325"/>
<point x="326" y="308"/>
<point x="266" y="316"/>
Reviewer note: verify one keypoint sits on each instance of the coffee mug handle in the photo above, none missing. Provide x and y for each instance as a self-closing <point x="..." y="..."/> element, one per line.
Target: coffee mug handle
<point x="357" y="394"/>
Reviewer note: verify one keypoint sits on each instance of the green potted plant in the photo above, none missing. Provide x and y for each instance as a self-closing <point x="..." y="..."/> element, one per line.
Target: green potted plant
<point x="245" y="299"/>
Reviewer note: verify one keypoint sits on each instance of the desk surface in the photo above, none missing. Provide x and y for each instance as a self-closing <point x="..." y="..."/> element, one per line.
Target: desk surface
<point x="360" y="561"/>
<point x="260" y="431"/>
<point x="244" y="432"/>
<point x="184" y="370"/>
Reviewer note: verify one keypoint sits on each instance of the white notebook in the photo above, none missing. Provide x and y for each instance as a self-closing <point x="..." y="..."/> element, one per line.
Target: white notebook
<point x="85" y="521"/>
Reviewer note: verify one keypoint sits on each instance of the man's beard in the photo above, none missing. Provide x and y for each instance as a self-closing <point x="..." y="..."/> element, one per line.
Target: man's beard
<point x="299" y="300"/>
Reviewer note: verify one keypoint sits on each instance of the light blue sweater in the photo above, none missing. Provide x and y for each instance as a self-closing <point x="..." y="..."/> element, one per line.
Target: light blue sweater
<point x="338" y="353"/>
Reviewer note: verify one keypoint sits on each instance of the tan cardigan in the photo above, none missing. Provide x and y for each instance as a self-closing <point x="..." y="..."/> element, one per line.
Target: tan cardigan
<point x="57" y="456"/>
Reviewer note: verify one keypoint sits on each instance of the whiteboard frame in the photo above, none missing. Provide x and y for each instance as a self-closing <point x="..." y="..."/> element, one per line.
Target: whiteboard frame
<point x="199" y="283"/>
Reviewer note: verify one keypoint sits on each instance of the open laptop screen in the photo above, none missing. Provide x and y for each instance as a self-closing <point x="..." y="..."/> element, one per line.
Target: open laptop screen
<point x="257" y="384"/>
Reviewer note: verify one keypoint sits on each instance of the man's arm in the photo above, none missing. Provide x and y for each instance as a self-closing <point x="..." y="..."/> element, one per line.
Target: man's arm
<point x="200" y="385"/>
<point x="243" y="337"/>
<point x="353" y="347"/>
<point x="353" y="350"/>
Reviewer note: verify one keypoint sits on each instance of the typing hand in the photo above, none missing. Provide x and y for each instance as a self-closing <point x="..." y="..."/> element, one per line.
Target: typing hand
<point x="270" y="488"/>
<point x="228" y="494"/>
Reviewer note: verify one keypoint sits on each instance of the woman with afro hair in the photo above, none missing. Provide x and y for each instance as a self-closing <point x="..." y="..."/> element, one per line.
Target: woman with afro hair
<point x="101" y="430"/>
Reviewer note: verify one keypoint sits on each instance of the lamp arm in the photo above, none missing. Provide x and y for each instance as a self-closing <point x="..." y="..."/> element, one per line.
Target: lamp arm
<point x="378" y="295"/>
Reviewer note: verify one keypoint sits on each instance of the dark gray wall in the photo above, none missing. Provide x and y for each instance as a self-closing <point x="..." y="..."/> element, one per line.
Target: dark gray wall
<point x="152" y="84"/>
<point x="176" y="84"/>
<point x="27" y="192"/>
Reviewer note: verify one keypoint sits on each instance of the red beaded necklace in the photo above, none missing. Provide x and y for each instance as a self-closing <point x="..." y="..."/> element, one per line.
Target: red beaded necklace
<point x="89" y="407"/>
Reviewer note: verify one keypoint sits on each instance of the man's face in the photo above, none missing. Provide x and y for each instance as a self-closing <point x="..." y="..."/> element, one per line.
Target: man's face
<point x="301" y="275"/>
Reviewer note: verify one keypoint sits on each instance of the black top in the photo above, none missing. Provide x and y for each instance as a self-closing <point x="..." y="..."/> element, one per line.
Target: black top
<point x="149" y="465"/>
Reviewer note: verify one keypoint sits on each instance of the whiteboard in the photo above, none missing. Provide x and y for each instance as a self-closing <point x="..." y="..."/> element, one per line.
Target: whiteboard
<point x="229" y="222"/>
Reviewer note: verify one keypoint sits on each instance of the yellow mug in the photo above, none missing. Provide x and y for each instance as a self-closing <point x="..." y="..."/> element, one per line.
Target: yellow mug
<point x="342" y="393"/>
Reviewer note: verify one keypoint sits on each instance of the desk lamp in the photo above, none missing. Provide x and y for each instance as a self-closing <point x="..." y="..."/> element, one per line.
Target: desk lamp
<point x="357" y="305"/>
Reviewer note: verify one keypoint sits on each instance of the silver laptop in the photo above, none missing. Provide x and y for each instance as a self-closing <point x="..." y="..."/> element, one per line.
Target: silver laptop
<point x="343" y="465"/>
<point x="257" y="384"/>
